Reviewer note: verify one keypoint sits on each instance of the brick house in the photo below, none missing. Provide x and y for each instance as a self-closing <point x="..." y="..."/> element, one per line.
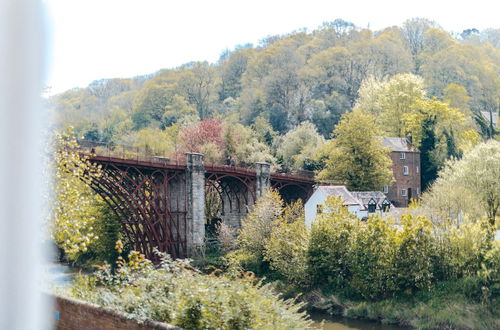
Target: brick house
<point x="406" y="171"/>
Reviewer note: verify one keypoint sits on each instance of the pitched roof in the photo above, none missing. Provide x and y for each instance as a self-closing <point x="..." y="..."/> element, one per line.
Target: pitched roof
<point x="342" y="192"/>
<point x="397" y="144"/>
<point x="365" y="196"/>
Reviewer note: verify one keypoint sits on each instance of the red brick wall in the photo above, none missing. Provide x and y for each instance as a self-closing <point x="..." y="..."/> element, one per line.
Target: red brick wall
<point x="71" y="314"/>
<point x="410" y="182"/>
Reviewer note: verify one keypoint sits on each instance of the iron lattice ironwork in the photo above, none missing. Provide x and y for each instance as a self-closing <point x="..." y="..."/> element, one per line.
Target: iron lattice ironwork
<point x="150" y="198"/>
<point x="150" y="202"/>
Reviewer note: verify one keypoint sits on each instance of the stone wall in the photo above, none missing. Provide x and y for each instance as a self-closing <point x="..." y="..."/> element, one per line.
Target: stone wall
<point x="72" y="314"/>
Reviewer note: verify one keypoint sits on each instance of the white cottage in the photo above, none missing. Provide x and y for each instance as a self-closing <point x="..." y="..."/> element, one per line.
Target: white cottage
<point x="316" y="202"/>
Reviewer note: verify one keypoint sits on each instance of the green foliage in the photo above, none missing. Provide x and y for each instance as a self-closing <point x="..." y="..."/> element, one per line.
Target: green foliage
<point x="74" y="205"/>
<point x="328" y="251"/>
<point x="286" y="249"/>
<point x="379" y="258"/>
<point x="469" y="185"/>
<point x="298" y="146"/>
<point x="354" y="155"/>
<point x="273" y="240"/>
<point x="175" y="293"/>
<point x="309" y="77"/>
<point x="107" y="227"/>
<point x="256" y="230"/>
<point x="413" y="259"/>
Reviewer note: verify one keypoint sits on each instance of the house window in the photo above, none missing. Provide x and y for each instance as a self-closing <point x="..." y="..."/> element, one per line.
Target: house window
<point x="402" y="155"/>
<point x="416" y="169"/>
<point x="319" y="208"/>
<point x="386" y="189"/>
<point x="405" y="170"/>
<point x="403" y="192"/>
<point x="418" y="191"/>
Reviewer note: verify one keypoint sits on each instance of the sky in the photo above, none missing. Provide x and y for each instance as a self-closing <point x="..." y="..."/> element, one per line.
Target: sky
<point x="93" y="39"/>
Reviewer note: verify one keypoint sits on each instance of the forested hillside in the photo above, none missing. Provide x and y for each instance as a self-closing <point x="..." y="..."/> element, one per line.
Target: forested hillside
<point x="418" y="80"/>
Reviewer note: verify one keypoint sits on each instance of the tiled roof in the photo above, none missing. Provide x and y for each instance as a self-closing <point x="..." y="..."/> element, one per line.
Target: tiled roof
<point x="340" y="191"/>
<point x="397" y="144"/>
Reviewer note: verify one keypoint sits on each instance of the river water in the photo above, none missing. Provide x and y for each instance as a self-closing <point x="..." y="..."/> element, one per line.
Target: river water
<point x="342" y="323"/>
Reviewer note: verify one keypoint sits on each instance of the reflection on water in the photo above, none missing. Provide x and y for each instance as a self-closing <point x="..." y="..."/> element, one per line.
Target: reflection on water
<point x="340" y="323"/>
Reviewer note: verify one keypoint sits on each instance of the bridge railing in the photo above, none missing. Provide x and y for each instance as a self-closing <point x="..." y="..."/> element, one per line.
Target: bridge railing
<point x="152" y="155"/>
<point x="134" y="153"/>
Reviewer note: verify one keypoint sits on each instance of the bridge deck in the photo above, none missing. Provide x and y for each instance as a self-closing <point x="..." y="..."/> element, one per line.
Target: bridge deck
<point x="163" y="163"/>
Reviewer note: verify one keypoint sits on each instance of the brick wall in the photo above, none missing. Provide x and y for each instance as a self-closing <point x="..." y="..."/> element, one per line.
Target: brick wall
<point x="410" y="182"/>
<point x="72" y="314"/>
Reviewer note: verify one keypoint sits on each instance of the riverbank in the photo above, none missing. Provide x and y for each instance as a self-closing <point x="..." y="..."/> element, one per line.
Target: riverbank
<point x="450" y="305"/>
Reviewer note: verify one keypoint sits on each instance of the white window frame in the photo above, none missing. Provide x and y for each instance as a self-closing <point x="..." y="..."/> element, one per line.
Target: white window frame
<point x="402" y="155"/>
<point x="417" y="169"/>
<point x="385" y="189"/>
<point x="418" y="191"/>
<point x="404" y="192"/>
<point x="406" y="170"/>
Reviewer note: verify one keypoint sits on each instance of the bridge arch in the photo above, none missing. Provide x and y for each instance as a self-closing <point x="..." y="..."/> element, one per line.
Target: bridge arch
<point x="161" y="204"/>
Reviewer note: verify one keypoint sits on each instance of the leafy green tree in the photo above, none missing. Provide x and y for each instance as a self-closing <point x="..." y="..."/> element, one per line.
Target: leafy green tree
<point x="476" y="174"/>
<point x="328" y="250"/>
<point x="74" y="205"/>
<point x="355" y="155"/>
<point x="198" y="86"/>
<point x="299" y="145"/>
<point x="427" y="154"/>
<point x="287" y="246"/>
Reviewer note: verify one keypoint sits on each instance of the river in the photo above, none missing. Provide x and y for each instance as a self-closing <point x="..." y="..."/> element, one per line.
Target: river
<point x="342" y="323"/>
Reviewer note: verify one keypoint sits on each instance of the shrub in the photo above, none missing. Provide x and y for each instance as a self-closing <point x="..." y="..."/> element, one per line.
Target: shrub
<point x="372" y="251"/>
<point x="287" y="246"/>
<point x="178" y="294"/>
<point x="413" y="256"/>
<point x="328" y="251"/>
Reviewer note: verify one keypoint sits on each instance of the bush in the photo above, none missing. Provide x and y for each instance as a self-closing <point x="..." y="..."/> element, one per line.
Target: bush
<point x="178" y="294"/>
<point x="287" y="246"/>
<point x="377" y="258"/>
<point x="413" y="258"/>
<point x="372" y="251"/>
<point x="328" y="252"/>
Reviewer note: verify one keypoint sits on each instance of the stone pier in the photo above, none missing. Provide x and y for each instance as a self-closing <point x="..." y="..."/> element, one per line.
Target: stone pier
<point x="263" y="178"/>
<point x="195" y="188"/>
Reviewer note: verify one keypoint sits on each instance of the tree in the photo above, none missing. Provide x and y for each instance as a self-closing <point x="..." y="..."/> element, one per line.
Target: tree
<point x="198" y="86"/>
<point x="414" y="30"/>
<point x="74" y="205"/>
<point x="476" y="174"/>
<point x="355" y="156"/>
<point x="299" y="145"/>
<point x="256" y="230"/>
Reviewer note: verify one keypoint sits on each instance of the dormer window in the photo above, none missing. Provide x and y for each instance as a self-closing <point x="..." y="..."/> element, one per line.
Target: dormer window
<point x="386" y="205"/>
<point x="372" y="206"/>
<point x="402" y="155"/>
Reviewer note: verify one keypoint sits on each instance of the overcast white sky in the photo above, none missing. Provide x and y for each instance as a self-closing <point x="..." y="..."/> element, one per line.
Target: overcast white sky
<point x="94" y="39"/>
